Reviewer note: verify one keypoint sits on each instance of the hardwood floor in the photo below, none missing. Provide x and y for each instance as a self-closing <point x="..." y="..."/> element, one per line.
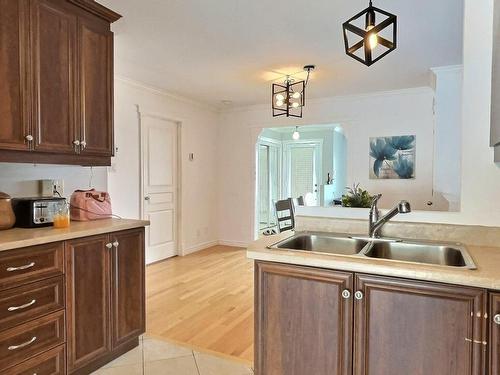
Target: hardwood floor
<point x="204" y="300"/>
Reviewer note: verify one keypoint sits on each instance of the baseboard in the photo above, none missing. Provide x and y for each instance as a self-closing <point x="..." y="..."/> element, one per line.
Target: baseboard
<point x="233" y="243"/>
<point x="198" y="247"/>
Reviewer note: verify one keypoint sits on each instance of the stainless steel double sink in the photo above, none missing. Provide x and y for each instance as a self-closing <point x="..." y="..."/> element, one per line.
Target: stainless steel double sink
<point x="423" y="252"/>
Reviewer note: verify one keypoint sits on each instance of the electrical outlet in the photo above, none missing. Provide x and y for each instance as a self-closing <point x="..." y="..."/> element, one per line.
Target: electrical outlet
<point x="58" y="188"/>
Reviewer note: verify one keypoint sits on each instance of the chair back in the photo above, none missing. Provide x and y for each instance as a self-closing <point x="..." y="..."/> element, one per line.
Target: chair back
<point x="285" y="214"/>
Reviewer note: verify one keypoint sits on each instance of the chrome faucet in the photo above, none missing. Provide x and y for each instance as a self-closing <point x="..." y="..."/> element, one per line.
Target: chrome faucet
<point x="376" y="223"/>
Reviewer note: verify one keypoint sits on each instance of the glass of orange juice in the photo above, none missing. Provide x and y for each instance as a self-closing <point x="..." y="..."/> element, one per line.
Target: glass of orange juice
<point x="61" y="216"/>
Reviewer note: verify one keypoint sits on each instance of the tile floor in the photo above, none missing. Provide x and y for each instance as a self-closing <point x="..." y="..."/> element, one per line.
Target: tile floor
<point x="156" y="357"/>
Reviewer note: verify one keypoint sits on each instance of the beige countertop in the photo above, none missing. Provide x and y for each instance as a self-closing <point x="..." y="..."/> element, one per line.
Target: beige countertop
<point x="487" y="259"/>
<point x="20" y="237"/>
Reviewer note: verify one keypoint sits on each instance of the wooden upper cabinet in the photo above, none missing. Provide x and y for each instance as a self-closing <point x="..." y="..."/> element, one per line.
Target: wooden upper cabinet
<point x="88" y="301"/>
<point x="495" y="334"/>
<point x="127" y="286"/>
<point x="14" y="114"/>
<point x="303" y="324"/>
<point x="53" y="38"/>
<point x="410" y="327"/>
<point x="96" y="86"/>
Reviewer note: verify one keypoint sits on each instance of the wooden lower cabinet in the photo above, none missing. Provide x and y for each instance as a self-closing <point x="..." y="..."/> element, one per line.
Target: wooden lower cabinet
<point x="303" y="324"/>
<point x="127" y="287"/>
<point x="495" y="334"/>
<point x="105" y="298"/>
<point x="88" y="287"/>
<point x="418" y="328"/>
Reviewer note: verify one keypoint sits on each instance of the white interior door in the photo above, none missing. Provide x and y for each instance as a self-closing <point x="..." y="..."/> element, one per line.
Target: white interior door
<point x="302" y="172"/>
<point x="159" y="162"/>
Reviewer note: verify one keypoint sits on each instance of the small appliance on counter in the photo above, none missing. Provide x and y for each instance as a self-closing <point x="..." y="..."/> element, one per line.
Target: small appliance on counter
<point x="37" y="211"/>
<point x="7" y="217"/>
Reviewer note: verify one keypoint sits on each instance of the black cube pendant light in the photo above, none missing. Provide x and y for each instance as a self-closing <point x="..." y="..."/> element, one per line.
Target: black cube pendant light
<point x="373" y="41"/>
<point x="289" y="98"/>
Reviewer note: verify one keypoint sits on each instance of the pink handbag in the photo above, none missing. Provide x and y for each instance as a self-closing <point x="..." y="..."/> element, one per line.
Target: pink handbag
<point x="88" y="205"/>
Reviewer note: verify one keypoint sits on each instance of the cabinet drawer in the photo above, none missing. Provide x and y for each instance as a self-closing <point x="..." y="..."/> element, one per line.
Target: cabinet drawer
<point x="21" y="266"/>
<point x="31" y="301"/>
<point x="30" y="339"/>
<point x="51" y="362"/>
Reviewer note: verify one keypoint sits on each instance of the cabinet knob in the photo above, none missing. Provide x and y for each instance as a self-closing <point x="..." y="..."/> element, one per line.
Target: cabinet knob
<point x="147" y="198"/>
<point x="76" y="142"/>
<point x="496" y="319"/>
<point x="346" y="294"/>
<point x="29" y="138"/>
<point x="358" y="295"/>
<point x="109" y="245"/>
<point x="116" y="244"/>
<point x="83" y="144"/>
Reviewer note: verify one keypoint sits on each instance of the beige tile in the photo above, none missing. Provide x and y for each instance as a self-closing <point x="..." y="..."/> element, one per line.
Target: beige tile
<point x="156" y="350"/>
<point x="132" y="357"/>
<point x="210" y="365"/>
<point x="121" y="370"/>
<point x="173" y="366"/>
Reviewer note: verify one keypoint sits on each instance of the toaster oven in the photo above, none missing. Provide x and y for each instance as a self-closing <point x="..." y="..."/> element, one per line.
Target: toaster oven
<point x="36" y="212"/>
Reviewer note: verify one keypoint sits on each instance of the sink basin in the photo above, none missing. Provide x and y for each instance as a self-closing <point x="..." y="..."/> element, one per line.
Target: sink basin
<point x="322" y="243"/>
<point x="422" y="252"/>
<point x="428" y="253"/>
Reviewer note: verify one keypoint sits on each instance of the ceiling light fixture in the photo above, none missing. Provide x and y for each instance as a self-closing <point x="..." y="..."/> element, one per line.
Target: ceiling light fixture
<point x="370" y="46"/>
<point x="289" y="98"/>
<point x="296" y="134"/>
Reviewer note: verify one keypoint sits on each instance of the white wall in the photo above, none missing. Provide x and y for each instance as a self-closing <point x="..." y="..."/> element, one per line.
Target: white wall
<point x="448" y="134"/>
<point x="404" y="112"/>
<point x="199" y="177"/>
<point x="22" y="180"/>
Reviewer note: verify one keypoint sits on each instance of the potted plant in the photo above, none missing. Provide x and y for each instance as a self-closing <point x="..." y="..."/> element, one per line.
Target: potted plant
<point x="357" y="197"/>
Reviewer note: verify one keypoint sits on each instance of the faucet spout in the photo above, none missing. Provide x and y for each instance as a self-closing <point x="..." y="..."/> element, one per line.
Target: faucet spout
<point x="376" y="224"/>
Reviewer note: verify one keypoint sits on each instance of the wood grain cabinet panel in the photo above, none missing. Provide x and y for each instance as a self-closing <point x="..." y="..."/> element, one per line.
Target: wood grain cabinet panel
<point x="31" y="301"/>
<point x="127" y="286"/>
<point x="31" y="264"/>
<point x="30" y="339"/>
<point x="52" y="362"/>
<point x="410" y="327"/>
<point x="303" y="324"/>
<point x="88" y="300"/>
<point x="14" y="114"/>
<point x="53" y="37"/>
<point x="96" y="86"/>
<point x="495" y="334"/>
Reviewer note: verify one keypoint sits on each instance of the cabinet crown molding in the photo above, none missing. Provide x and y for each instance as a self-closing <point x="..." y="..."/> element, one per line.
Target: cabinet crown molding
<point x="97" y="9"/>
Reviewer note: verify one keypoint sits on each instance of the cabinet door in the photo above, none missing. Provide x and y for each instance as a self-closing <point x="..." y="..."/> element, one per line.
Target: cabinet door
<point x="410" y="327"/>
<point x="303" y="324"/>
<point x="87" y="300"/>
<point x="14" y="118"/>
<point x="127" y="286"/>
<point x="53" y="38"/>
<point x="495" y="334"/>
<point x="96" y="86"/>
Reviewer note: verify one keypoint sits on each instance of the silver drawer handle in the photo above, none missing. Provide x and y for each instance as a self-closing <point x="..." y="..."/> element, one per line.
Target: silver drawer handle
<point x="15" y="308"/>
<point x="21" y="268"/>
<point x="496" y="319"/>
<point x="23" y="345"/>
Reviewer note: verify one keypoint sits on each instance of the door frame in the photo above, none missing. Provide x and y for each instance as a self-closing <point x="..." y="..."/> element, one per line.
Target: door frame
<point x="265" y="141"/>
<point x="178" y="188"/>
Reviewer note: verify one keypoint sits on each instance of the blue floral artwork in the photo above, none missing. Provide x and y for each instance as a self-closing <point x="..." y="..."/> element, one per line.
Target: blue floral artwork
<point x="392" y="157"/>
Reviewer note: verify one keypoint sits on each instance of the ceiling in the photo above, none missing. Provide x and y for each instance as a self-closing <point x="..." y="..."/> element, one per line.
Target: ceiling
<point x="232" y="50"/>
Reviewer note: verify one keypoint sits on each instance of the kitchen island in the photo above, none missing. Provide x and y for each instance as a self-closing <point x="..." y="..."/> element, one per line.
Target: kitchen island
<point x="346" y="314"/>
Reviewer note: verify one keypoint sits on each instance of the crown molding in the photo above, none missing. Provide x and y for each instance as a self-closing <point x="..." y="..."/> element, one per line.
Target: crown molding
<point x="165" y="93"/>
<point x="340" y="98"/>
<point x="97" y="9"/>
